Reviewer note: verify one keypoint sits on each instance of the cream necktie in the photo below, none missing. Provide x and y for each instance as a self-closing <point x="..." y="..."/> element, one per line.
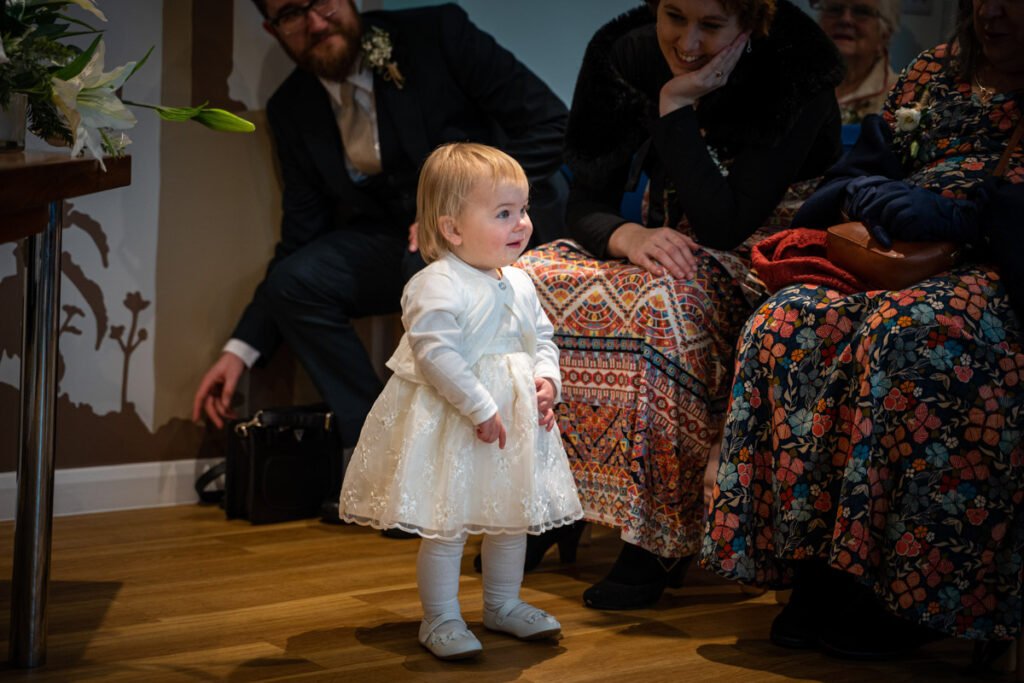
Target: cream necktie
<point x="357" y="133"/>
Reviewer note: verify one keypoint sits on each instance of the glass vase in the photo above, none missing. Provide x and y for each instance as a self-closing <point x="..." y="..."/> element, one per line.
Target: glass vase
<point x="12" y="123"/>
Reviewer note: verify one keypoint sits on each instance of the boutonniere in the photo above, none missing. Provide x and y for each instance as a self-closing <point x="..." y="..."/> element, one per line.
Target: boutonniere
<point x="907" y="121"/>
<point x="377" y="50"/>
<point x="907" y="118"/>
<point x="913" y="132"/>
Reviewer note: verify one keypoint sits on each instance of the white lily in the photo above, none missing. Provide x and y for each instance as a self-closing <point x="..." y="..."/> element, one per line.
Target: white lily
<point x="3" y="55"/>
<point x="90" y="104"/>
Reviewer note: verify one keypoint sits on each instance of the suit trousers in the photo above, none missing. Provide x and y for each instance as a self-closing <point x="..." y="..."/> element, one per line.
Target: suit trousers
<point x="314" y="294"/>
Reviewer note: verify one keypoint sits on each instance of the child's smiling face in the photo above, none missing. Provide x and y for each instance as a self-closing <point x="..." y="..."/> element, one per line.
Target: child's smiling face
<point x="493" y="228"/>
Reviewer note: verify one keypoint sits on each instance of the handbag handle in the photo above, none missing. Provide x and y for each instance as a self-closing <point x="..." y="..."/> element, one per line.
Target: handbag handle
<point x="1011" y="146"/>
<point x="208" y="477"/>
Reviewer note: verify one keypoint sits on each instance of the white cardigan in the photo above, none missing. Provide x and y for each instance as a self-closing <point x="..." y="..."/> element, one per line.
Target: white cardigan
<point x="449" y="310"/>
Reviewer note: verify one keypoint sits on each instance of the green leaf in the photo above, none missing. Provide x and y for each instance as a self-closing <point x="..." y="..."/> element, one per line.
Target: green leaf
<point x="92" y="29"/>
<point x="69" y="71"/>
<point x="50" y="31"/>
<point x="138" y="64"/>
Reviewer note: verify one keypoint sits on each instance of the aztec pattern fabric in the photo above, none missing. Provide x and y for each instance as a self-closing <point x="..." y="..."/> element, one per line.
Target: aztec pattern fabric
<point x="646" y="363"/>
<point x="882" y="431"/>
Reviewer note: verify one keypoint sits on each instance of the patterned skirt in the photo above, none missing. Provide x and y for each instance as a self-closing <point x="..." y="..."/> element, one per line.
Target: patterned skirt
<point x="646" y="364"/>
<point x="882" y="433"/>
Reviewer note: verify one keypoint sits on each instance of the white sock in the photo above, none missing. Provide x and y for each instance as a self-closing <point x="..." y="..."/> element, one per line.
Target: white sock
<point x="437" y="573"/>
<point x="502" y="558"/>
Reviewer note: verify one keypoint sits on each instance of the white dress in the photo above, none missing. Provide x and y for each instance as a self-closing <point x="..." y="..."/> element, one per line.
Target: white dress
<point x="420" y="467"/>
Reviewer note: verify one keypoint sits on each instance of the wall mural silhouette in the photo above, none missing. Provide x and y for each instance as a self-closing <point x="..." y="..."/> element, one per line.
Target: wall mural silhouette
<point x="86" y="438"/>
<point x="108" y="311"/>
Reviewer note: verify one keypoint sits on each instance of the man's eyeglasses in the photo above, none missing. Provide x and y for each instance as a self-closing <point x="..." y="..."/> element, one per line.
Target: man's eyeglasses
<point x="292" y="19"/>
<point x="834" y="10"/>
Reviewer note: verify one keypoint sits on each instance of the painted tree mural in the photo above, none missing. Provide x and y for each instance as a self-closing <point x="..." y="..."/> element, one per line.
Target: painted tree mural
<point x="128" y="343"/>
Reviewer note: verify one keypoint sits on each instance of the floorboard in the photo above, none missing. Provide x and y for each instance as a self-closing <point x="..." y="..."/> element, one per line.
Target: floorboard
<point x="181" y="594"/>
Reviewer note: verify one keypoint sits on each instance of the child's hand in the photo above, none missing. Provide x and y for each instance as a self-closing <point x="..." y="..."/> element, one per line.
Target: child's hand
<point x="547" y="420"/>
<point x="545" y="401"/>
<point x="492" y="430"/>
<point x="545" y="394"/>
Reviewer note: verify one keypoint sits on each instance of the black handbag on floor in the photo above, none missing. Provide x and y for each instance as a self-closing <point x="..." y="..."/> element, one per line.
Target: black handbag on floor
<point x="282" y="464"/>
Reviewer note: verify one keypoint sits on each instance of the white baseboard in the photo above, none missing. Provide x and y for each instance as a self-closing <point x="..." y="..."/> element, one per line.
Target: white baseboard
<point x="115" y="487"/>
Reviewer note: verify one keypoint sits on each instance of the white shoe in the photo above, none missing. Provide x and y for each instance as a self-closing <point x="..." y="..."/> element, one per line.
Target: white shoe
<point x="447" y="637"/>
<point x="522" y="620"/>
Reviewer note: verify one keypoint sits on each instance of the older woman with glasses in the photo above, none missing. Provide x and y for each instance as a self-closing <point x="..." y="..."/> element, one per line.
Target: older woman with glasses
<point x="861" y="30"/>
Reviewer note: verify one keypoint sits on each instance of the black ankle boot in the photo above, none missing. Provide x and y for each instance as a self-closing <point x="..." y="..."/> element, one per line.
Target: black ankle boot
<point x="799" y="623"/>
<point x="865" y="630"/>
<point x="636" y="580"/>
<point x="567" y="537"/>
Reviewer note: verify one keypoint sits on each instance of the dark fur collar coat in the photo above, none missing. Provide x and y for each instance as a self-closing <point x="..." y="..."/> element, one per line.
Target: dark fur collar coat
<point x="623" y="71"/>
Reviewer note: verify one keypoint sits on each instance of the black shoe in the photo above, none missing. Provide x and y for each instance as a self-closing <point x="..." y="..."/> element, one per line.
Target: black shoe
<point x="329" y="512"/>
<point x="817" y="592"/>
<point x="860" y="626"/>
<point x="795" y="628"/>
<point x="567" y="537"/>
<point x="874" y="635"/>
<point x="398" y="534"/>
<point x="636" y="580"/>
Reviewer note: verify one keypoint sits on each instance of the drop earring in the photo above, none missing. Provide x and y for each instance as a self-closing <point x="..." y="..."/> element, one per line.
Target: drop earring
<point x="748" y="50"/>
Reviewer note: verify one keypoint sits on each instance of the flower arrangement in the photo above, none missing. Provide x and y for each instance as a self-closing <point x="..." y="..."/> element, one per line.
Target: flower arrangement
<point x="377" y="49"/>
<point x="71" y="99"/>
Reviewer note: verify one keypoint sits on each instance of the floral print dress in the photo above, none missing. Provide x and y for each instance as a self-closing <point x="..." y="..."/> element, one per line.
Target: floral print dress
<point x="882" y="431"/>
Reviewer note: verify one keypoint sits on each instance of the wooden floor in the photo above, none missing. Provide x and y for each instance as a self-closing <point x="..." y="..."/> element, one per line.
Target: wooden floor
<point x="180" y="594"/>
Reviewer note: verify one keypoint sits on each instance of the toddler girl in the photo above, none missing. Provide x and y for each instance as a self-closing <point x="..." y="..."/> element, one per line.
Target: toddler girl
<point x="454" y="445"/>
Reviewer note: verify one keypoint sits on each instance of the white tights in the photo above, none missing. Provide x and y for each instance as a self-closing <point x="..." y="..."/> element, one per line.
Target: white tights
<point x="437" y="572"/>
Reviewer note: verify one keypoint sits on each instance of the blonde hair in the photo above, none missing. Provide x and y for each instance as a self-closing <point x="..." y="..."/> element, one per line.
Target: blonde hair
<point x="447" y="178"/>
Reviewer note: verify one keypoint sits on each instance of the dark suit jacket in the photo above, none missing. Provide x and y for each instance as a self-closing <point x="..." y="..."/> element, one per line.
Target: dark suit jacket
<point x="459" y="85"/>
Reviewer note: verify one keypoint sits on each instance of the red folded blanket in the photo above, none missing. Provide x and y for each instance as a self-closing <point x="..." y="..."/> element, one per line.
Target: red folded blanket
<point x="796" y="256"/>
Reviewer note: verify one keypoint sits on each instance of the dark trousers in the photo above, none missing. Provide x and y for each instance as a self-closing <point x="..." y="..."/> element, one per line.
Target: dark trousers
<point x="314" y="295"/>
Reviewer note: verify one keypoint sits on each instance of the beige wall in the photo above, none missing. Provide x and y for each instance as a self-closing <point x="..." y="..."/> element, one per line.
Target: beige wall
<point x="219" y="212"/>
<point x="203" y="243"/>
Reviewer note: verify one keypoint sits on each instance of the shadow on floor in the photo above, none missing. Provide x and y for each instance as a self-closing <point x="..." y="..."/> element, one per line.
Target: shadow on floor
<point x="71" y="607"/>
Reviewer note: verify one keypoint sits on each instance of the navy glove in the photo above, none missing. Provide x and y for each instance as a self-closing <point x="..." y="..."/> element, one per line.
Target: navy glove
<point x="871" y="156"/>
<point x="892" y="209"/>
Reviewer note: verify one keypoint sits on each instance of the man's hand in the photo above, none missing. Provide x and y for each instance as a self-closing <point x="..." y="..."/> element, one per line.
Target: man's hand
<point x="217" y="389"/>
<point x="492" y="430"/>
<point x="545" y="402"/>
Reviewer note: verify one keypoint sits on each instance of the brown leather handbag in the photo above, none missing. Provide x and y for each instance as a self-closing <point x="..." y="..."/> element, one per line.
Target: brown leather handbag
<point x="851" y="247"/>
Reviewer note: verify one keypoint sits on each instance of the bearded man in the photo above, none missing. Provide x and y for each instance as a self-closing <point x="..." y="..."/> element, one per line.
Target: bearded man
<point x="370" y="98"/>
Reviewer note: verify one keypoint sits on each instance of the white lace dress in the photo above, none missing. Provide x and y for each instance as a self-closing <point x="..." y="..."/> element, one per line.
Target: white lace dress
<point x="419" y="466"/>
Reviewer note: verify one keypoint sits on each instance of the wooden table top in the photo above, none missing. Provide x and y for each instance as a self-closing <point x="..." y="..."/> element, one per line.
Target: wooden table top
<point x="29" y="181"/>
